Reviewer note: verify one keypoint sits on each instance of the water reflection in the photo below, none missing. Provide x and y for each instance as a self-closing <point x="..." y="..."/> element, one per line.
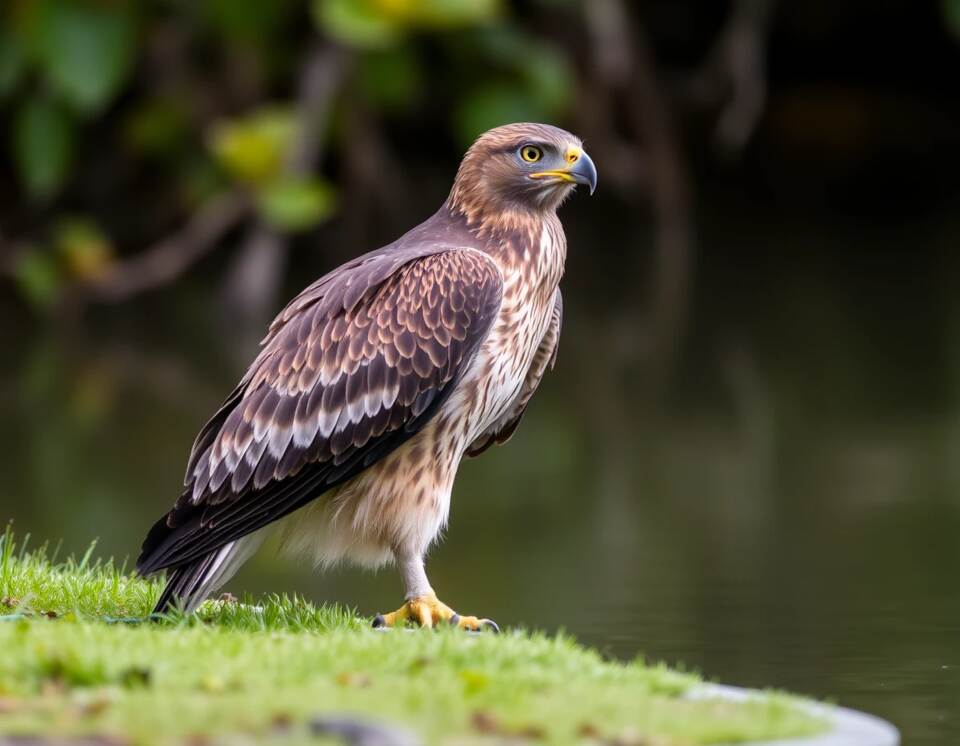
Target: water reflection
<point x="762" y="525"/>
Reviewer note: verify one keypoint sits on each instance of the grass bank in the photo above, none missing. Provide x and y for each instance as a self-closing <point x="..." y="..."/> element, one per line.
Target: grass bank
<point x="73" y="661"/>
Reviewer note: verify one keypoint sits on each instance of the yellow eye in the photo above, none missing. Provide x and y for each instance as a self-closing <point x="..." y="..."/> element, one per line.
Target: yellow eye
<point x="531" y="154"/>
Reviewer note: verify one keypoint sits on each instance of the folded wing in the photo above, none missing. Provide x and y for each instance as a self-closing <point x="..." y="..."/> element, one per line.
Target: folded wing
<point x="354" y="366"/>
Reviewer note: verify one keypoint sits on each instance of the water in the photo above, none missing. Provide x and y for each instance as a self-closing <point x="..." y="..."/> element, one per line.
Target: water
<point x="785" y="513"/>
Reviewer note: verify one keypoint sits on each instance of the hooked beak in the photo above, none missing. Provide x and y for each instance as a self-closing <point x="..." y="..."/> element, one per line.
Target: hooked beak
<point x="580" y="170"/>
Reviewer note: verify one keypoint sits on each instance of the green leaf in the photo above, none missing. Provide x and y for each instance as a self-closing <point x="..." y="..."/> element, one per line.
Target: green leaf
<point x="38" y="277"/>
<point x="951" y="15"/>
<point x="440" y="14"/>
<point x="85" y="49"/>
<point x="296" y="204"/>
<point x="43" y="140"/>
<point x="12" y="62"/>
<point x="379" y="23"/>
<point x="355" y="22"/>
<point x="252" y="149"/>
<point x="85" y="249"/>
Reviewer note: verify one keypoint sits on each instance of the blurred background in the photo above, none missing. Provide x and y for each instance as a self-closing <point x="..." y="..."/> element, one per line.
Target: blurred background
<point x="747" y="461"/>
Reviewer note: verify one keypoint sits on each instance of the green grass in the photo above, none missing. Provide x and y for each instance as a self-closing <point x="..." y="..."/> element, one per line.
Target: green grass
<point x="233" y="672"/>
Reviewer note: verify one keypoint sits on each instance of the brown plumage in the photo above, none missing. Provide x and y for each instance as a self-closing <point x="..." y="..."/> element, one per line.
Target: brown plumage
<point x="374" y="381"/>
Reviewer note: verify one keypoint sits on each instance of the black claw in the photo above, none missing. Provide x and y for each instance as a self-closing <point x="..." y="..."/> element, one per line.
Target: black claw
<point x="491" y="625"/>
<point x="379" y="621"/>
<point x="455" y="620"/>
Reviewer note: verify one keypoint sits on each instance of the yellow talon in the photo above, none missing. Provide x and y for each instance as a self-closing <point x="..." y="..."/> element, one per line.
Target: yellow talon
<point x="428" y="611"/>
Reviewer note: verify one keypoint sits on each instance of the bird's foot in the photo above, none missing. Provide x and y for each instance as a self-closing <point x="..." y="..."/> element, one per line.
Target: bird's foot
<point x="429" y="611"/>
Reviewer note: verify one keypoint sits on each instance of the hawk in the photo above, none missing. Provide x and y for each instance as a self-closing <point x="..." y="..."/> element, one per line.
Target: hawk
<point x="376" y="380"/>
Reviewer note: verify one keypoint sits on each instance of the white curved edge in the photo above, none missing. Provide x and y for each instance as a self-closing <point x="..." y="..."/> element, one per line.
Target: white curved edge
<point x="849" y="727"/>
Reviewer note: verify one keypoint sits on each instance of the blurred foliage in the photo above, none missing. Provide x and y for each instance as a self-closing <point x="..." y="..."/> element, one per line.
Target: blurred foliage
<point x="252" y="149"/>
<point x="296" y="204"/>
<point x="70" y="59"/>
<point x="131" y="116"/>
<point x="84" y="249"/>
<point x="374" y="23"/>
<point x="84" y="51"/>
<point x="529" y="80"/>
<point x="170" y="102"/>
<point x="37" y="276"/>
<point x="78" y="250"/>
<point x="43" y="140"/>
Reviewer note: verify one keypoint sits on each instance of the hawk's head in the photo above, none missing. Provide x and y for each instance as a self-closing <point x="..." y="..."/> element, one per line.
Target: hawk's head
<point x="522" y="167"/>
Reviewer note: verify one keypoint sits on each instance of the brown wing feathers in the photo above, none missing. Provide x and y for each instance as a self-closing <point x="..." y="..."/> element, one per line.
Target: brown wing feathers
<point x="354" y="366"/>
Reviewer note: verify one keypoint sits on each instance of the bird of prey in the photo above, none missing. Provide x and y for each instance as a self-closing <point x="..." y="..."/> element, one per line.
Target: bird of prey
<point x="376" y="380"/>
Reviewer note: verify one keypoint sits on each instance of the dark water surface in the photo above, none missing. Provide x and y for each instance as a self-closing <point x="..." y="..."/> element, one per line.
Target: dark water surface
<point x="785" y="513"/>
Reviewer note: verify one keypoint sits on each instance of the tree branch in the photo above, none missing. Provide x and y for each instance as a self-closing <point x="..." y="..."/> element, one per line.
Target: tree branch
<point x="623" y="62"/>
<point x="253" y="280"/>
<point x="170" y="257"/>
<point x="735" y="73"/>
